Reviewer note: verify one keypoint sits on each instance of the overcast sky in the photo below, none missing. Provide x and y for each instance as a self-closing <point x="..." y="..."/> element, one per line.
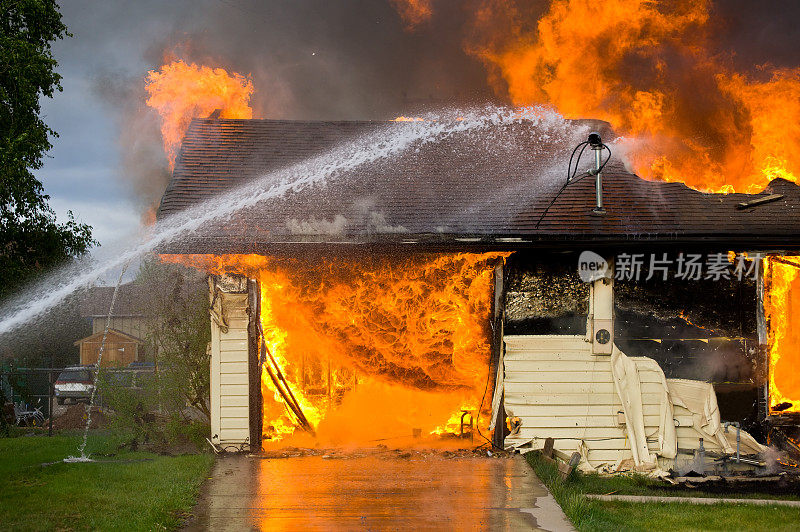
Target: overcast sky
<point x="82" y="172"/>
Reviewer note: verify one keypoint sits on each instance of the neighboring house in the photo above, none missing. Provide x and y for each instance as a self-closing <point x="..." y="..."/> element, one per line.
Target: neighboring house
<point x="557" y="343"/>
<point x="120" y="349"/>
<point x="127" y="329"/>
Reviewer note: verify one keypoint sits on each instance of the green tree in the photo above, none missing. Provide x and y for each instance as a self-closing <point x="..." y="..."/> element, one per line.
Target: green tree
<point x="171" y="404"/>
<point x="179" y="332"/>
<point x="31" y="240"/>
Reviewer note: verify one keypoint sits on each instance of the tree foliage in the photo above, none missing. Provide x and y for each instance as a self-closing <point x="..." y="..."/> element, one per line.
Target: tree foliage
<point x="31" y="239"/>
<point x="172" y="403"/>
<point x="179" y="333"/>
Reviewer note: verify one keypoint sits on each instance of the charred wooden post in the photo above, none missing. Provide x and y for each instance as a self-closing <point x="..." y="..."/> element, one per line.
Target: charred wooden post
<point x="254" y="365"/>
<point x="496" y="367"/>
<point x="762" y="355"/>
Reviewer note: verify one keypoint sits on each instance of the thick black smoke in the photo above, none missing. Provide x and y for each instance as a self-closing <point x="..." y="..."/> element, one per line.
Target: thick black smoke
<point x="343" y="60"/>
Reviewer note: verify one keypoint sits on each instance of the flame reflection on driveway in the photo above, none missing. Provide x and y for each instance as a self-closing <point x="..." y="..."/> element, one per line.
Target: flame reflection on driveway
<point x="376" y="491"/>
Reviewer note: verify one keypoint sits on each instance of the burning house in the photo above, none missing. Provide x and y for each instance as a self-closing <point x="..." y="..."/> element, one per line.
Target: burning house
<point x="437" y="291"/>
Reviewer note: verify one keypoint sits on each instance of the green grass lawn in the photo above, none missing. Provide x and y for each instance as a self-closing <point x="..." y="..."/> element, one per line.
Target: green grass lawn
<point x="589" y="515"/>
<point x="131" y="491"/>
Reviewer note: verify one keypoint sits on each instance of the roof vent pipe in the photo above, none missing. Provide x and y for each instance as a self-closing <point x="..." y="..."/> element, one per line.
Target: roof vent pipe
<point x="596" y="143"/>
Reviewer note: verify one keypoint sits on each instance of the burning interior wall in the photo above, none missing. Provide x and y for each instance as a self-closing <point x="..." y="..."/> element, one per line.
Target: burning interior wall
<point x="782" y="307"/>
<point x="781" y="304"/>
<point x="621" y="411"/>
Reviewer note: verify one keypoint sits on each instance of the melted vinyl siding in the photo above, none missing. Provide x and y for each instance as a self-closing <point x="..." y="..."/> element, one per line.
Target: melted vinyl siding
<point x="559" y="389"/>
<point x="229" y="376"/>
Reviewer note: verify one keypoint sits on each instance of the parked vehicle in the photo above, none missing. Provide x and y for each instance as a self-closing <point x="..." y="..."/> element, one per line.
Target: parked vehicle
<point x="75" y="383"/>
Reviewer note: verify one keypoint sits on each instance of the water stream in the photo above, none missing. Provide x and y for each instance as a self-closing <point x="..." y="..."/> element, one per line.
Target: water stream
<point x="383" y="143"/>
<point x="82" y="449"/>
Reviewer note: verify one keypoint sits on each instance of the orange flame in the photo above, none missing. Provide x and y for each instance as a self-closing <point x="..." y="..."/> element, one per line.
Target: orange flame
<point x="646" y="67"/>
<point x="782" y="306"/>
<point x="414" y="12"/>
<point x="181" y="91"/>
<point x="376" y="347"/>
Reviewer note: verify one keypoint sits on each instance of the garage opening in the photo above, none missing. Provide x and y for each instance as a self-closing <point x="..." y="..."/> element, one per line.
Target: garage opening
<point x="359" y="350"/>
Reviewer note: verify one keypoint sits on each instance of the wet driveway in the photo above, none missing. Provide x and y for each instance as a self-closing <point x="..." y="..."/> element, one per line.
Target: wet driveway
<point x="376" y="491"/>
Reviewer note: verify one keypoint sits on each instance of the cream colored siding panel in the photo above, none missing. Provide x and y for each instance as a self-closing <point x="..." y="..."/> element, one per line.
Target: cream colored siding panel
<point x="601" y="374"/>
<point x="559" y="389"/>
<point x="233" y="367"/>
<point x="521" y="354"/>
<point x="550" y="399"/>
<point x="235" y="411"/>
<point x="561" y="420"/>
<point x="237" y="324"/>
<point x="229" y="373"/>
<point x="620" y="442"/>
<point x="544" y="388"/>
<point x="587" y="377"/>
<point x="235" y="423"/>
<point x="683" y="420"/>
<point x="234" y="437"/>
<point x="233" y="379"/>
<point x="687" y="437"/>
<point x="650" y="377"/>
<point x="561" y="366"/>
<point x="568" y="433"/>
<point x="235" y="345"/>
<point x="237" y="331"/>
<point x="578" y="410"/>
<point x="234" y="400"/>
<point x="236" y="389"/>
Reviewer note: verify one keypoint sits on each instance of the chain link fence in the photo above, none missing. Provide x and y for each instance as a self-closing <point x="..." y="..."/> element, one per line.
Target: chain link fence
<point x="30" y="391"/>
<point x="28" y="396"/>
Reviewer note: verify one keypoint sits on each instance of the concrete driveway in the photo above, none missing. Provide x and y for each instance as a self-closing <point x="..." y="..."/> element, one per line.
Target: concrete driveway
<point x="376" y="490"/>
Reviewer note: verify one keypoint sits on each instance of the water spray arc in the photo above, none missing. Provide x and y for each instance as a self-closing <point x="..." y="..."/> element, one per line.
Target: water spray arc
<point x="384" y="143"/>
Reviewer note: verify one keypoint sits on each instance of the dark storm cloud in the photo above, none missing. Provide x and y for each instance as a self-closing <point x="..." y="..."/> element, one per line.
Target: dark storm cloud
<point x="308" y="60"/>
<point x="355" y="59"/>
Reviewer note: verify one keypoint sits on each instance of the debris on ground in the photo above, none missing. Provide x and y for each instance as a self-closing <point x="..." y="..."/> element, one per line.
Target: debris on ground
<point x="74" y="417"/>
<point x="382" y="451"/>
<point x="291" y="452"/>
<point x="780" y="484"/>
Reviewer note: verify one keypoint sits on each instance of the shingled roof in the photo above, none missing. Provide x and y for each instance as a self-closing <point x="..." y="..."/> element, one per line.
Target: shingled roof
<point x="486" y="187"/>
<point x="96" y="302"/>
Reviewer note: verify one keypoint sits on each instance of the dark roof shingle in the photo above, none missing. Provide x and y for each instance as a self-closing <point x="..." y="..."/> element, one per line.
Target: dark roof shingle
<point x="485" y="188"/>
